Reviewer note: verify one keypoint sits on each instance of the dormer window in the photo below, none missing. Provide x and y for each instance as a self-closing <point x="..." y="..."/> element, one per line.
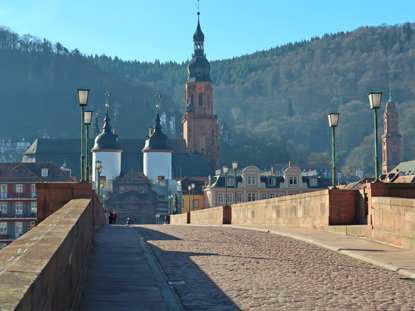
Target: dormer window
<point x="45" y="172"/>
<point x="271" y="181"/>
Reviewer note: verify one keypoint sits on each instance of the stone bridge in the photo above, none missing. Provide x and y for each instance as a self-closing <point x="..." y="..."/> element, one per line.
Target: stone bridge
<point x="72" y="261"/>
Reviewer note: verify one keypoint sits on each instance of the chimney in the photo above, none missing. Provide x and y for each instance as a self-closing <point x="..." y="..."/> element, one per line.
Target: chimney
<point x="290" y="163"/>
<point x="114" y="131"/>
<point x="272" y="171"/>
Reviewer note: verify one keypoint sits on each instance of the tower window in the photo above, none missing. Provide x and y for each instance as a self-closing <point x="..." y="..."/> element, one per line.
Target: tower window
<point x="200" y="100"/>
<point x="208" y="101"/>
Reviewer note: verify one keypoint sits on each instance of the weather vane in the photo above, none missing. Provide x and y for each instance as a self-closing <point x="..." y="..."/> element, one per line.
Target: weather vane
<point x="107" y="94"/>
<point x="158" y="95"/>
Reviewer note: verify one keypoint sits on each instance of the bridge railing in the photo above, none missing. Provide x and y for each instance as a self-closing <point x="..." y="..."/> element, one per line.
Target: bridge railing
<point x="45" y="268"/>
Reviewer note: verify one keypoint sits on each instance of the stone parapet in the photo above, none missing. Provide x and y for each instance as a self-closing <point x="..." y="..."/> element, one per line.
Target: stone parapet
<point x="394" y="221"/>
<point x="180" y="219"/>
<point x="45" y="268"/>
<point x="211" y="216"/>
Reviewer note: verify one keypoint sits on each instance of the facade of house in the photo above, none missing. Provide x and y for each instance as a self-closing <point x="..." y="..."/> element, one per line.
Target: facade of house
<point x="132" y="198"/>
<point x="252" y="185"/>
<point x="18" y="198"/>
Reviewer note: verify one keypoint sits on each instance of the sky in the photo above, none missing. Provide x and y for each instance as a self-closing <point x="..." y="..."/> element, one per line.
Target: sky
<point x="163" y="29"/>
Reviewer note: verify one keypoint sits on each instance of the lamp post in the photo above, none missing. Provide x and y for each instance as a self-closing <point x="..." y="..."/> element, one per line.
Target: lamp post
<point x="333" y="122"/>
<point x="189" y="188"/>
<point x="235" y="167"/>
<point x="87" y="120"/>
<point x="179" y="190"/>
<point x="225" y="171"/>
<point x="375" y="99"/>
<point x="193" y="193"/>
<point x="98" y="166"/>
<point x="83" y="101"/>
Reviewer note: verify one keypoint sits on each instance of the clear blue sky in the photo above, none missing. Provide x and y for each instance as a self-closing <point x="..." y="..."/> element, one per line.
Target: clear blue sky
<point x="162" y="29"/>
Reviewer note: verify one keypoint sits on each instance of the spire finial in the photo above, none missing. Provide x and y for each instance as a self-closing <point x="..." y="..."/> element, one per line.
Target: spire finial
<point x="198" y="11"/>
<point x="390" y="92"/>
<point x="107" y="94"/>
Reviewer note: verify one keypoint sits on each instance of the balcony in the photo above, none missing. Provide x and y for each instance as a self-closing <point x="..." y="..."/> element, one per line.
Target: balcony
<point x="19" y="196"/>
<point x="28" y="216"/>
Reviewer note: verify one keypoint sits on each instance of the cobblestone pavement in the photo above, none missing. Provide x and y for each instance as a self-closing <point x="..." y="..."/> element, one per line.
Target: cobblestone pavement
<point x="235" y="269"/>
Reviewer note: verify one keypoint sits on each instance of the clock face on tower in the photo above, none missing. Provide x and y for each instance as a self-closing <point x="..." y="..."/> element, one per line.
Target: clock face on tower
<point x="200" y="88"/>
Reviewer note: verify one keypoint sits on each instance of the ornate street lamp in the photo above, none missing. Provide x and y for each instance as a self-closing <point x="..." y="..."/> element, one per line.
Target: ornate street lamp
<point x="225" y="171"/>
<point x="98" y="166"/>
<point x="193" y="199"/>
<point x="375" y="99"/>
<point x="87" y="120"/>
<point x="83" y="101"/>
<point x="235" y="167"/>
<point x="333" y="122"/>
<point x="189" y="188"/>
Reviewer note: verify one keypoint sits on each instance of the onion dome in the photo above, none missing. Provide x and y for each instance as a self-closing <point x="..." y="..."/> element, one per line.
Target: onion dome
<point x="157" y="139"/>
<point x="198" y="36"/>
<point x="107" y="140"/>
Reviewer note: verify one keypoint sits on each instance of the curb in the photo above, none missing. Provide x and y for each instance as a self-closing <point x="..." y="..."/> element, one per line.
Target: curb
<point x="355" y="255"/>
<point x="170" y="297"/>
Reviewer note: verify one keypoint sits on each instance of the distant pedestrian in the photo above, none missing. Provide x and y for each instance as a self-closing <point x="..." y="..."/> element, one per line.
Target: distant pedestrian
<point x="114" y="217"/>
<point x="110" y="218"/>
<point x="128" y="221"/>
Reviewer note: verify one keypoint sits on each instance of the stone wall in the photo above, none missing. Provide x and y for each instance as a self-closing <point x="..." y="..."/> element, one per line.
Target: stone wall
<point x="211" y="216"/>
<point x="45" y="268"/>
<point x="313" y="209"/>
<point x="180" y="219"/>
<point x="397" y="190"/>
<point x="393" y="221"/>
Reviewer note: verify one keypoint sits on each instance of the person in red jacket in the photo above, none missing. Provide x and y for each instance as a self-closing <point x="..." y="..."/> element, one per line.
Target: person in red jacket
<point x="114" y="217"/>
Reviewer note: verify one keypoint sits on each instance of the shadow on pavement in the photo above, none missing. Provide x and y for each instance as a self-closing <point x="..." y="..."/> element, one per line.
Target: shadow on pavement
<point x="196" y="290"/>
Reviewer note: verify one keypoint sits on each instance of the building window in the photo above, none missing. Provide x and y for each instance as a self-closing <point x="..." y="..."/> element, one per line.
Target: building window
<point x="230" y="197"/>
<point x="239" y="196"/>
<point x="18" y="208"/>
<point x="19" y="227"/>
<point x="196" y="203"/>
<point x="271" y="181"/>
<point x="264" y="196"/>
<point x="44" y="172"/>
<point x="221" y="197"/>
<point x="293" y="180"/>
<point x="272" y="195"/>
<point x="33" y="190"/>
<point x="3" y="191"/>
<point x="313" y="182"/>
<point x="3" y="207"/>
<point x="200" y="100"/>
<point x="251" y="197"/>
<point x="230" y="181"/>
<point x="33" y="207"/>
<point x="3" y="227"/>
<point x="251" y="180"/>
<point x="121" y="190"/>
<point x="141" y="190"/>
<point x="19" y="188"/>
<point x="281" y="194"/>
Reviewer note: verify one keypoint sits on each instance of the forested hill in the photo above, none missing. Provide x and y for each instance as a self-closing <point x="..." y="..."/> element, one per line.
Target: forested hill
<point x="274" y="102"/>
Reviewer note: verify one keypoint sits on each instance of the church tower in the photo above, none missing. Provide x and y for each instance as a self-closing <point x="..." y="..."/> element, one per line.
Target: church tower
<point x="391" y="139"/>
<point x="200" y="128"/>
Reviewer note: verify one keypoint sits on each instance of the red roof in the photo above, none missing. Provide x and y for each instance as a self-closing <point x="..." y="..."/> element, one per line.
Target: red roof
<point x="32" y="172"/>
